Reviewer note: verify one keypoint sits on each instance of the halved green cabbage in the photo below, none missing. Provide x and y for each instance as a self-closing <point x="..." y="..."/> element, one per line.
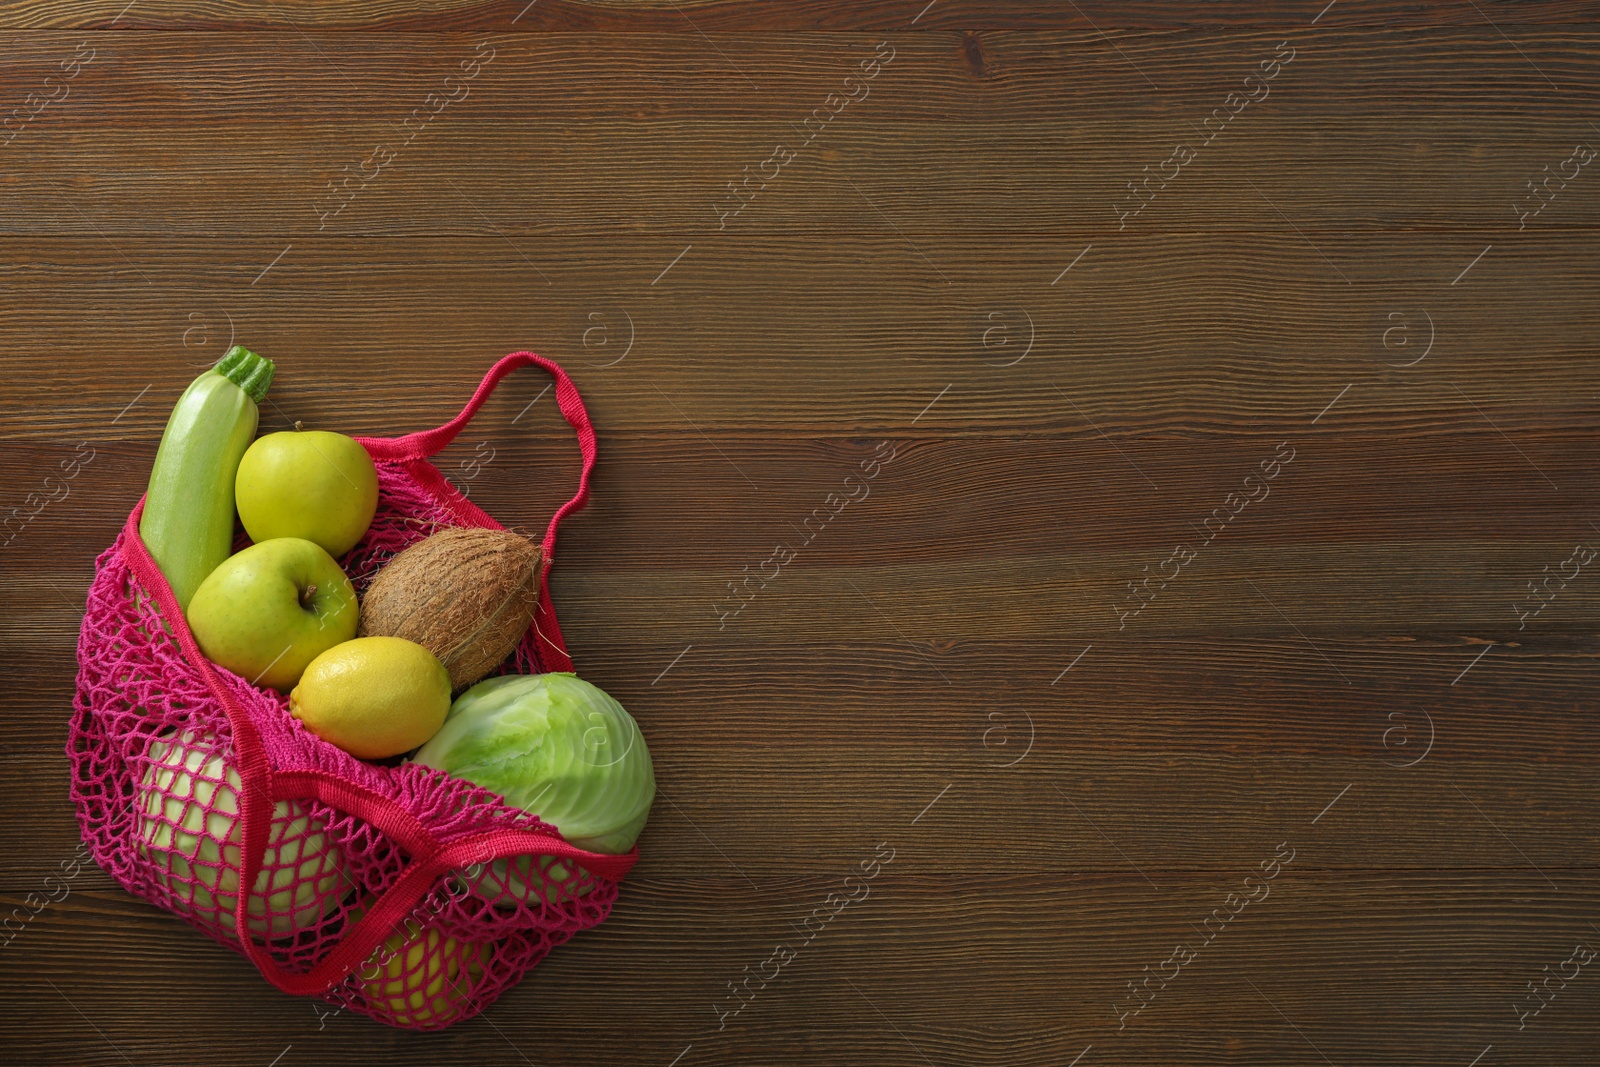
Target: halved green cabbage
<point x="555" y="746"/>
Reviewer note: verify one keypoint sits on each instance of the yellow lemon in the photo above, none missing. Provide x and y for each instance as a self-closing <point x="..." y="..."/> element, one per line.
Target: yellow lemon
<point x="374" y="697"/>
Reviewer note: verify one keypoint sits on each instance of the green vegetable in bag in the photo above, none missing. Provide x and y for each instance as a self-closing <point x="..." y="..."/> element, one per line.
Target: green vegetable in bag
<point x="555" y="746"/>
<point x="188" y="510"/>
<point x="190" y="829"/>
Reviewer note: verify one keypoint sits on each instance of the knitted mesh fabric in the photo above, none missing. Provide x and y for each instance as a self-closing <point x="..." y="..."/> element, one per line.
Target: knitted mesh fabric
<point x="394" y="890"/>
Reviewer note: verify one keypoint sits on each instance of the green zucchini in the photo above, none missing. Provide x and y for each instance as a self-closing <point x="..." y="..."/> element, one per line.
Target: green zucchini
<point x="188" y="510"/>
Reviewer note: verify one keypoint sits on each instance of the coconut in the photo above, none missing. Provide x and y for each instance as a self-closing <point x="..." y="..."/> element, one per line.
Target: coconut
<point x="465" y="595"/>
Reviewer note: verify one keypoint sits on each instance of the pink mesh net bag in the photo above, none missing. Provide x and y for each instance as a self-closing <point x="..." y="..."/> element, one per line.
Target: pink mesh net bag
<point x="399" y="892"/>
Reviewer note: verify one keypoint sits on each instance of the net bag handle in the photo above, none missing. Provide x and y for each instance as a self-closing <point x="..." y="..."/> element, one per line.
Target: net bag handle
<point x="425" y="444"/>
<point x="262" y="787"/>
<point x="413" y="450"/>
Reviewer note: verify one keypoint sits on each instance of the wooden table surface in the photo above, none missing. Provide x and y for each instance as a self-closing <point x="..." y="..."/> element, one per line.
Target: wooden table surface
<point x="1124" y="466"/>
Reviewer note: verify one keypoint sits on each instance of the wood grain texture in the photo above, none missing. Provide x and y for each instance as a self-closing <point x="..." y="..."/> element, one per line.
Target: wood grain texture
<point x="997" y="137"/>
<point x="698" y="16"/>
<point x="951" y="666"/>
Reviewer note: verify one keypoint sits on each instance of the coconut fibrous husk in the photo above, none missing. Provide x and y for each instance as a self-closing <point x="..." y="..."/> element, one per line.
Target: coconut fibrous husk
<point x="466" y="595"/>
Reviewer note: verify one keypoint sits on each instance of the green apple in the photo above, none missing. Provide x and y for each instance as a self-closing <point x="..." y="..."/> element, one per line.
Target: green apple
<point x="268" y="611"/>
<point x="420" y="977"/>
<point x="313" y="484"/>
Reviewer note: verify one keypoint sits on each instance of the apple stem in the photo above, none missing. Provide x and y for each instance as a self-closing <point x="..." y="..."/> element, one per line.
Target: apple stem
<point x="305" y="597"/>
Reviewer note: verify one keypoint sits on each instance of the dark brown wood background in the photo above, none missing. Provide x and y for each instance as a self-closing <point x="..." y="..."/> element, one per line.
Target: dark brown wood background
<point x="941" y="670"/>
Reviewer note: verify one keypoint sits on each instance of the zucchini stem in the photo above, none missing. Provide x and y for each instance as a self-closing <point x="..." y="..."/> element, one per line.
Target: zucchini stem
<point x="248" y="371"/>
